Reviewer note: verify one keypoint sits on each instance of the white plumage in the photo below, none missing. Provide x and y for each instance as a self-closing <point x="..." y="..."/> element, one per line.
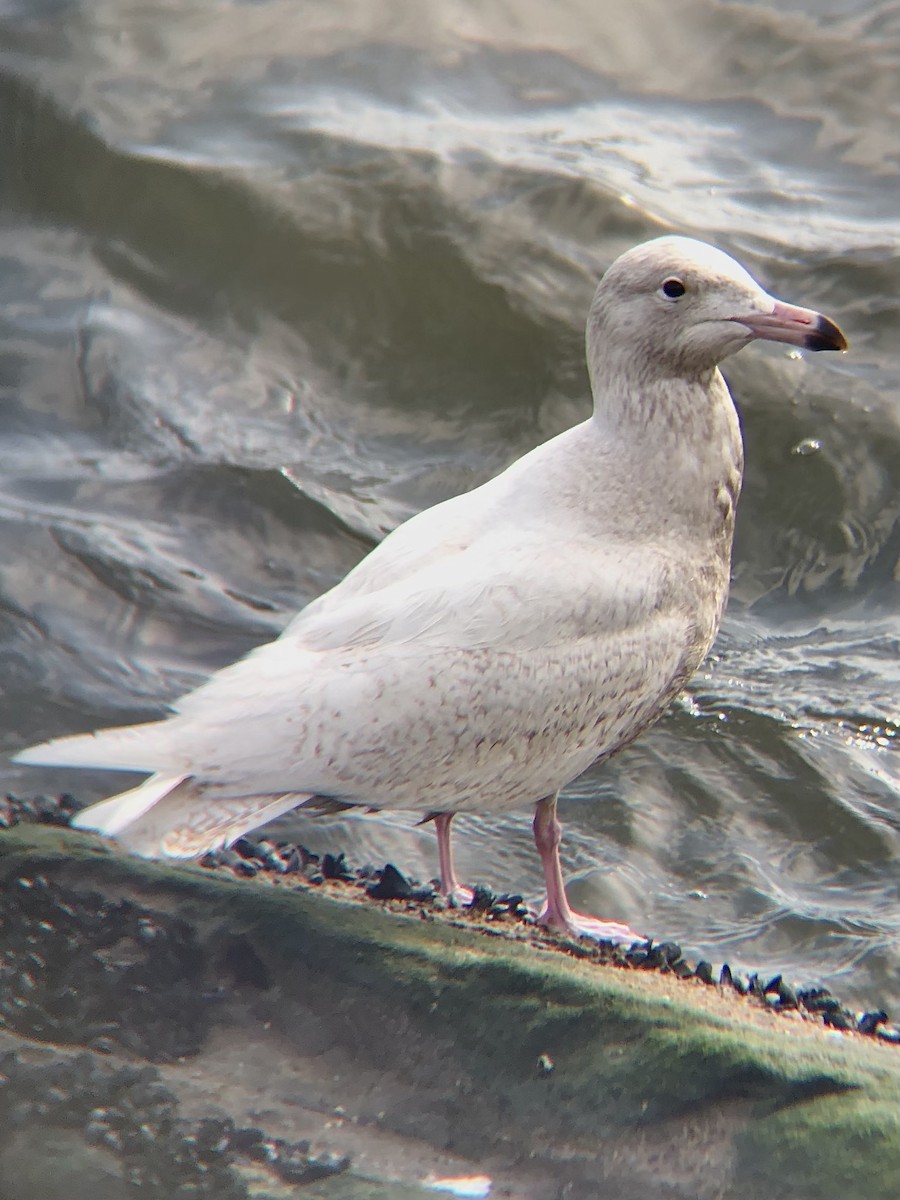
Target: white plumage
<point x="496" y="645"/>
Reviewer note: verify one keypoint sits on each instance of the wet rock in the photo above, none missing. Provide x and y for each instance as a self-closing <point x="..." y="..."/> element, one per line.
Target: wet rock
<point x="392" y="885"/>
<point x="654" y="958"/>
<point x="247" y="848"/>
<point x="704" y="971"/>
<point x="869" y="1021"/>
<point x="661" y="957"/>
<point x="840" y="1019"/>
<point x="58" y="1164"/>
<point x="249" y="858"/>
<point x="229" y="859"/>
<point x="78" y="968"/>
<point x="212" y="1140"/>
<point x="483" y="899"/>
<point x="295" y="1164"/>
<point x="334" y="866"/>
<point x="636" y="954"/>
<point x="78" y="1128"/>
<point x="786" y="995"/>
<point x="45" y="810"/>
<point x="818" y="1000"/>
<point x="449" y="1024"/>
<point x="264" y="1150"/>
<point x="246" y="1141"/>
<point x="290" y="860"/>
<point x="86" y="1129"/>
<point x="513" y="903"/>
<point x="244" y="965"/>
<point x="809" y="997"/>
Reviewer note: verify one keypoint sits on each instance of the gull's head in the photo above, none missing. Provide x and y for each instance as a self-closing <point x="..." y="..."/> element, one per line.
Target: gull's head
<point x="676" y="307"/>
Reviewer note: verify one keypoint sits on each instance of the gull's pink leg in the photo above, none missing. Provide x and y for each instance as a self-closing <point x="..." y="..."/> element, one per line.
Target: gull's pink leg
<point x="451" y="888"/>
<point x="556" y="913"/>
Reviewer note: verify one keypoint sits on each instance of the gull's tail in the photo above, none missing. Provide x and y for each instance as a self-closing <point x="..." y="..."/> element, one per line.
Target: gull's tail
<point x="111" y="817"/>
<point x="123" y="748"/>
<point x="170" y="814"/>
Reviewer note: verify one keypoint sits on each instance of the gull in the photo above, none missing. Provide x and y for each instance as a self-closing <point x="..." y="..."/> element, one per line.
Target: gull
<point x="494" y="646"/>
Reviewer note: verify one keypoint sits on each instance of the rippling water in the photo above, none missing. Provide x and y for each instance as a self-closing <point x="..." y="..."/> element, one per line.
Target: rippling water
<point x="273" y="276"/>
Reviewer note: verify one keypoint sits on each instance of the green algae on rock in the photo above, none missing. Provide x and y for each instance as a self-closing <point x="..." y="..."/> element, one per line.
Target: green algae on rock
<point x="425" y="1034"/>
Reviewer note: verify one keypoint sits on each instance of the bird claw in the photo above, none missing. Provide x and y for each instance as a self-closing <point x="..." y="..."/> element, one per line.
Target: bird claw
<point x="577" y="925"/>
<point x="459" y="896"/>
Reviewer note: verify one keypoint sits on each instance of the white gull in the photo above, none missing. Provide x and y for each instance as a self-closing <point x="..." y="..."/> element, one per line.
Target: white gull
<point x="495" y="646"/>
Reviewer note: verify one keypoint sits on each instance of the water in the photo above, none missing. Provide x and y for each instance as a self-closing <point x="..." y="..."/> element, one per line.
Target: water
<point x="275" y="276"/>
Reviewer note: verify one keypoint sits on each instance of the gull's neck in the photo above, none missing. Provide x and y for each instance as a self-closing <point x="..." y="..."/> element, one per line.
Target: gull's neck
<point x="679" y="441"/>
<point x="676" y="408"/>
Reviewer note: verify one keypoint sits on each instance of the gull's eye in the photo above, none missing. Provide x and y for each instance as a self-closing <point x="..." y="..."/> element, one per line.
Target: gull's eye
<point x="673" y="288"/>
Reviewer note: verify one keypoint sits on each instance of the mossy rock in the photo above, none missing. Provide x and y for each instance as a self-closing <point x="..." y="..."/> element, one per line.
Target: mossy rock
<point x="541" y="1069"/>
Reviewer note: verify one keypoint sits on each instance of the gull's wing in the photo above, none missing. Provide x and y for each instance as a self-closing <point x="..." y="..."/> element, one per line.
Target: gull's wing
<point x="451" y="683"/>
<point x="528" y="491"/>
<point x="502" y="627"/>
<point x="430" y="723"/>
